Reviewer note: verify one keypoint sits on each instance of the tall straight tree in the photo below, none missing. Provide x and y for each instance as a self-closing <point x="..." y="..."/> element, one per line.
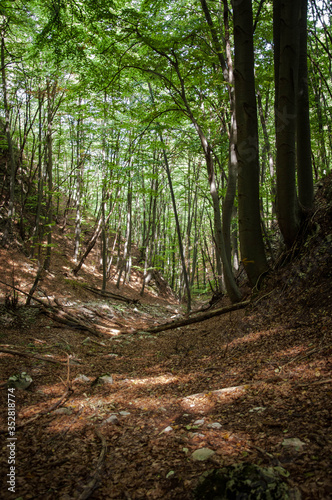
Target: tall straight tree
<point x="251" y="240"/>
<point x="292" y="115"/>
<point x="286" y="45"/>
<point x="178" y="229"/>
<point x="226" y="65"/>
<point x="4" y="27"/>
<point x="304" y="164"/>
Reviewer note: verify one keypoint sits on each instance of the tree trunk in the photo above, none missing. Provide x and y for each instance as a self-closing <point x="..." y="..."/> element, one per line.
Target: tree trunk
<point x="222" y="231"/>
<point x="304" y="165"/>
<point x="36" y="229"/>
<point x="49" y="171"/>
<point x="228" y="204"/>
<point x="251" y="240"/>
<point x="177" y="223"/>
<point x="94" y="237"/>
<point x="286" y="37"/>
<point x="11" y="206"/>
<point x="79" y="182"/>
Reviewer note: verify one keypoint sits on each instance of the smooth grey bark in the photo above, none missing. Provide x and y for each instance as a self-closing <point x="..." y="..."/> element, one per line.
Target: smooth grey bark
<point x="226" y="65"/>
<point x="79" y="182"/>
<point x="221" y="256"/>
<point x="49" y="171"/>
<point x="228" y="204"/>
<point x="251" y="240"/>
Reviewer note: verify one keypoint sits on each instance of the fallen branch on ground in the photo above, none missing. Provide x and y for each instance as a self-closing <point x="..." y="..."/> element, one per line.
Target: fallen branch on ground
<point x="45" y="412"/>
<point x="93" y="484"/>
<point x="197" y="319"/>
<point x="59" y="315"/>
<point x="300" y="357"/>
<point x="110" y="295"/>
<point x="31" y="355"/>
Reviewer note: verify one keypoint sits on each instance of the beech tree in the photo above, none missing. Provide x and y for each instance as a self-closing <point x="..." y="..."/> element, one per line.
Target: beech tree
<point x="88" y="143"/>
<point x="251" y="240"/>
<point x="292" y="116"/>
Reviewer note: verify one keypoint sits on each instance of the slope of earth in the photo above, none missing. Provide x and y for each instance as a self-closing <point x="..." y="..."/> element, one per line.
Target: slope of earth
<point x="251" y="386"/>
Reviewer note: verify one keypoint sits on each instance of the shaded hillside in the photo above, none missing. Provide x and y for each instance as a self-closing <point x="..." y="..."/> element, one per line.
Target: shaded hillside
<point x="251" y="386"/>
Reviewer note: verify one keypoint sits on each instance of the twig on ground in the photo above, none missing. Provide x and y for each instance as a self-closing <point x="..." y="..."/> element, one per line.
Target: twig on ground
<point x="304" y="356"/>
<point x="67" y="384"/>
<point x="31" y="355"/>
<point x="49" y="410"/>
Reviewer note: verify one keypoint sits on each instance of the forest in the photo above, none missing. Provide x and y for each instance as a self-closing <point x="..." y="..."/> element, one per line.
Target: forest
<point x="165" y="248"/>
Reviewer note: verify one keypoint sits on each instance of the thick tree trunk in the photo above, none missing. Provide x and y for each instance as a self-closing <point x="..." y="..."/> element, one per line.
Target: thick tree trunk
<point x="251" y="240"/>
<point x="304" y="165"/>
<point x="286" y="77"/>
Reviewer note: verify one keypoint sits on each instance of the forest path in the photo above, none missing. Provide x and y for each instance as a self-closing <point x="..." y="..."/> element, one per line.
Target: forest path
<point x="252" y="385"/>
<point x="160" y="406"/>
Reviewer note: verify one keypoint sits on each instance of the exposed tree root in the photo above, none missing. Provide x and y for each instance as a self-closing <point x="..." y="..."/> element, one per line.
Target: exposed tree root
<point x="93" y="484"/>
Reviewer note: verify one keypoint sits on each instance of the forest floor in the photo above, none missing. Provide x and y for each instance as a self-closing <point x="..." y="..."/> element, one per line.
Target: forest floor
<point x="133" y="435"/>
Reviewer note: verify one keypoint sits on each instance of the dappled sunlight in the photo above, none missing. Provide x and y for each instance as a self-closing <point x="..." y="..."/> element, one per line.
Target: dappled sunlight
<point x="160" y="380"/>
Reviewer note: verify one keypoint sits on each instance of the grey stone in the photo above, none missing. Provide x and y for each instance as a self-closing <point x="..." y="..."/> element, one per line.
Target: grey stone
<point x="106" y="379"/>
<point x="202" y="454"/>
<point x="215" y="425"/>
<point x="81" y="378"/>
<point x="199" y="422"/>
<point x="294" y="443"/>
<point x="113" y="419"/>
<point x="63" y="411"/>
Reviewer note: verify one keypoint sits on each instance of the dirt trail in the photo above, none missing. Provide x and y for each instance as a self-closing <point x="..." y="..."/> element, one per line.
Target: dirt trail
<point x="133" y="435"/>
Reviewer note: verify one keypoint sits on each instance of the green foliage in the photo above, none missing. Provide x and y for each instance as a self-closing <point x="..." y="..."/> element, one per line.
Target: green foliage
<point x="244" y="480"/>
<point x="104" y="60"/>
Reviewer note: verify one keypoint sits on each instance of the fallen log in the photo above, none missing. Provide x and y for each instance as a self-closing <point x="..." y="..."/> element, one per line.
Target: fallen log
<point x="110" y="295"/>
<point x="59" y="315"/>
<point x="31" y="355"/>
<point x="197" y="319"/>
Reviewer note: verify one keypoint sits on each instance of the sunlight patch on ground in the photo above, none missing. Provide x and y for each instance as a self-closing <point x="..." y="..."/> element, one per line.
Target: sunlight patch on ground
<point x="161" y="380"/>
<point x="253" y="337"/>
<point x="208" y="399"/>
